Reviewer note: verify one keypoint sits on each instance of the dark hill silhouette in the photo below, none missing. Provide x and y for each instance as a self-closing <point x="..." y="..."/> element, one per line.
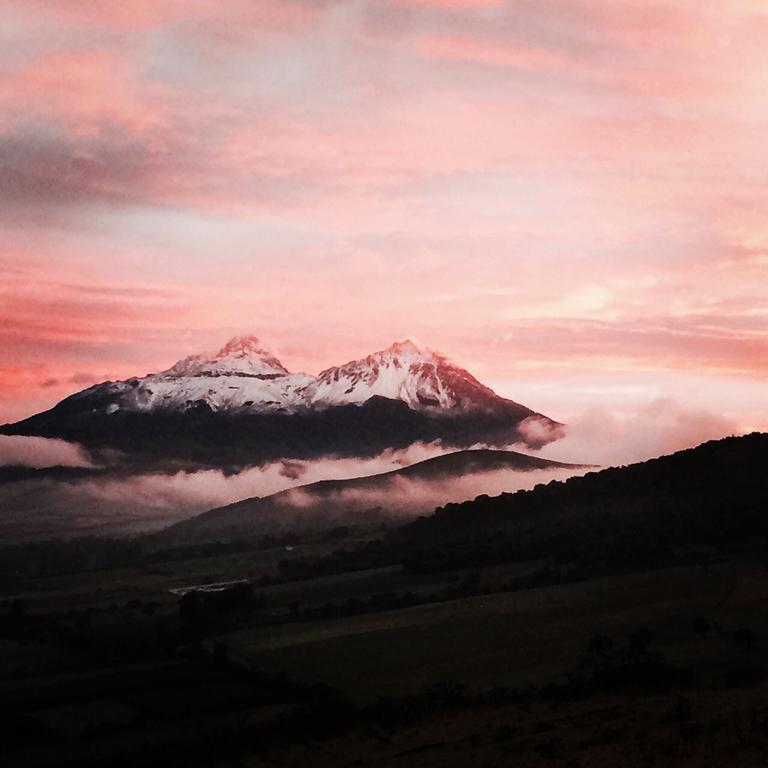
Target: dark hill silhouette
<point x="699" y="499"/>
<point x="331" y="502"/>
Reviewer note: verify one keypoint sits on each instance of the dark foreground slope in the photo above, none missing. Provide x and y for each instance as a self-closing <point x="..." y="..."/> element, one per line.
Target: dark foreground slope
<point x="552" y="638"/>
<point x="363" y="500"/>
<point x="703" y="497"/>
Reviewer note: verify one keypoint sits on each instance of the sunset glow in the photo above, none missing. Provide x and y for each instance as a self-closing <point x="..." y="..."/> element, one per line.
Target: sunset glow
<point x="566" y="196"/>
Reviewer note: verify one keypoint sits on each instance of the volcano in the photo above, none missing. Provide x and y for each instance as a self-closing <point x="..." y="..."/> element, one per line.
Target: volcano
<point x="241" y="407"/>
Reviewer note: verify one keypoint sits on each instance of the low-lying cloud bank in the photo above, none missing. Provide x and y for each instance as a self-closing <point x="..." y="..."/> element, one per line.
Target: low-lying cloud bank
<point x="393" y="498"/>
<point x="110" y="504"/>
<point x="103" y="505"/>
<point x="403" y="496"/>
<point x="652" y="429"/>
<point x="40" y="452"/>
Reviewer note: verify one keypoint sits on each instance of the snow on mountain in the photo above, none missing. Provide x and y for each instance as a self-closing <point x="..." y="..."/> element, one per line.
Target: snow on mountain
<point x="245" y="376"/>
<point x="240" y="356"/>
<point x="263" y="412"/>
<point x="419" y="377"/>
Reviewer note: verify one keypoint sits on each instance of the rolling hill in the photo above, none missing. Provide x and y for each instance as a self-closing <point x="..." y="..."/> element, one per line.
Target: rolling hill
<point x="412" y="490"/>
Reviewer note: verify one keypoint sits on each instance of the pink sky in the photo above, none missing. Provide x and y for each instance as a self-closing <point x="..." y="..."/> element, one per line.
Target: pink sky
<point x="567" y="196"/>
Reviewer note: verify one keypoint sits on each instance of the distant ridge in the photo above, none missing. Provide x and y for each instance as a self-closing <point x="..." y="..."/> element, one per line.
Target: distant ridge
<point x="323" y="503"/>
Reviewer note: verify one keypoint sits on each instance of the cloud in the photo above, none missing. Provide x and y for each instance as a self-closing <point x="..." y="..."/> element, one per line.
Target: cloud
<point x="114" y="504"/>
<point x="63" y="171"/>
<point x="38" y="452"/>
<point x="452" y="5"/>
<point x="143" y="503"/>
<point x="651" y="429"/>
<point x="117" y="503"/>
<point x="406" y="497"/>
<point x="537" y="432"/>
<point x="145" y="16"/>
<point x="457" y="48"/>
<point x="293" y="470"/>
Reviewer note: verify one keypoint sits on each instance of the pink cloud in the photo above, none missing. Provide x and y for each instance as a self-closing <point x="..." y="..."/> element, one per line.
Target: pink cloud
<point x="83" y="89"/>
<point x="457" y="48"/>
<point x="451" y="4"/>
<point x="142" y="15"/>
<point x="652" y="429"/>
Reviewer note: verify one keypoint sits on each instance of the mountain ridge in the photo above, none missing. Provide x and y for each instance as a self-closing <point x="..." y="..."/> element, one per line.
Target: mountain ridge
<point x="244" y="375"/>
<point x="241" y="406"/>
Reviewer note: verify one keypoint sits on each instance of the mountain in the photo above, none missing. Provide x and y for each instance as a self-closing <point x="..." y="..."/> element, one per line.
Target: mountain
<point x="242" y="377"/>
<point x="240" y="356"/>
<point x="408" y="491"/>
<point x="420" y="378"/>
<point x="241" y="406"/>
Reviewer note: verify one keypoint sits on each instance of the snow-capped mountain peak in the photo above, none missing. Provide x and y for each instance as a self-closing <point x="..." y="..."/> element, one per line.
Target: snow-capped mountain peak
<point x="244" y="376"/>
<point x="405" y="347"/>
<point x="404" y="371"/>
<point x="405" y="392"/>
<point x="240" y="356"/>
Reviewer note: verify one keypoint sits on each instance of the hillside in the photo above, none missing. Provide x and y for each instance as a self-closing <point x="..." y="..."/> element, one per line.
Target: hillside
<point x="704" y="497"/>
<point x="407" y="491"/>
